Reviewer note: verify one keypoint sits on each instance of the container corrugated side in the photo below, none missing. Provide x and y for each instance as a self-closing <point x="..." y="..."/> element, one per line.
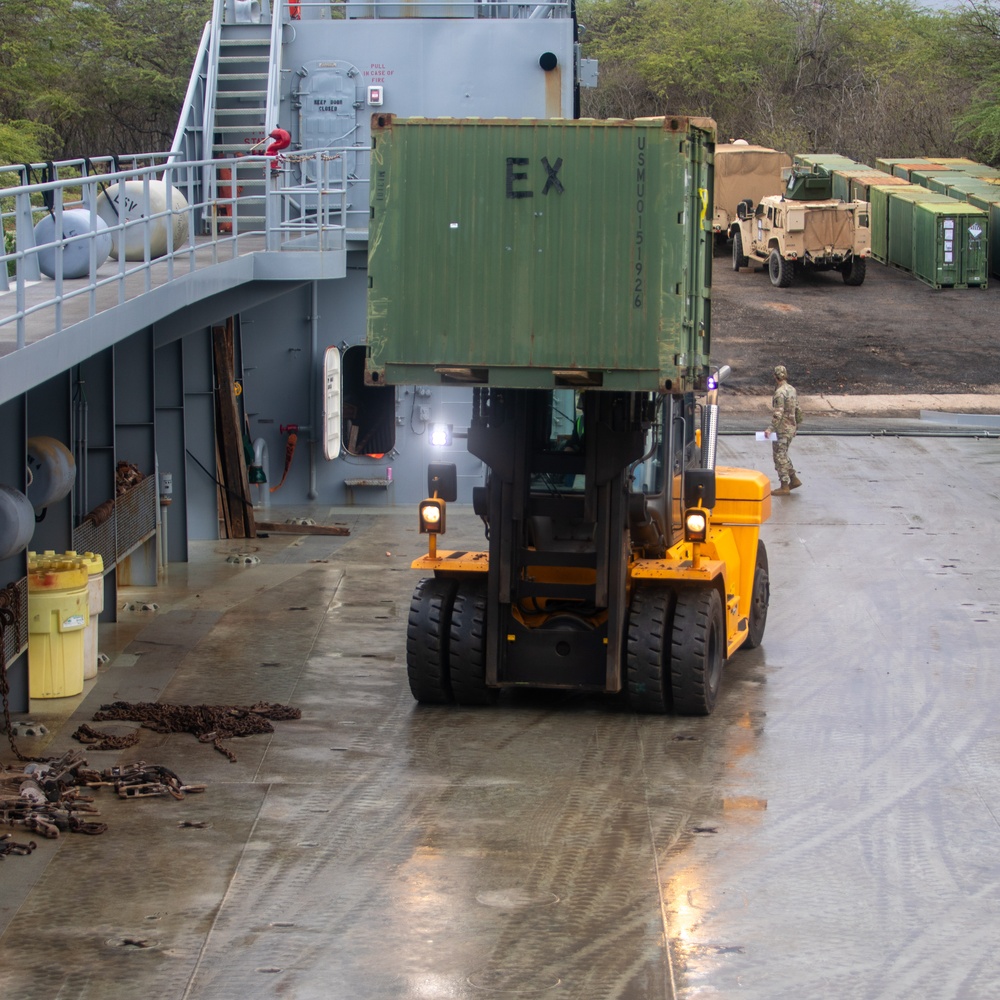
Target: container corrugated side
<point x="878" y="199"/>
<point x="530" y="253"/>
<point x="950" y="245"/>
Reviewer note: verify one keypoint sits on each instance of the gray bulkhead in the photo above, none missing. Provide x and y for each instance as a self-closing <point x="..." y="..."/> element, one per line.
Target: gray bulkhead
<point x="473" y="67"/>
<point x="144" y="374"/>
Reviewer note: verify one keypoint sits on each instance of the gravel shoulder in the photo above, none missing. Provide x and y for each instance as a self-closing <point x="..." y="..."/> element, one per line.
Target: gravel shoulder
<point x="891" y="336"/>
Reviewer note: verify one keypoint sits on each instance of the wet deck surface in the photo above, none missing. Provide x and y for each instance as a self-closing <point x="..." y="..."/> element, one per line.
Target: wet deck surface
<point x="831" y="831"/>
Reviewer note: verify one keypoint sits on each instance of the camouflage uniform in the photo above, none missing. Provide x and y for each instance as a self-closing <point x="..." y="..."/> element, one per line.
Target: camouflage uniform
<point x="785" y="418"/>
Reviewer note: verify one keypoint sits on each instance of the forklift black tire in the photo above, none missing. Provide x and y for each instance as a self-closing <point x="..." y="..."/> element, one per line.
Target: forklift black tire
<point x="760" y="597"/>
<point x="650" y="627"/>
<point x="467" y="652"/>
<point x="428" y="634"/>
<point x="697" y="651"/>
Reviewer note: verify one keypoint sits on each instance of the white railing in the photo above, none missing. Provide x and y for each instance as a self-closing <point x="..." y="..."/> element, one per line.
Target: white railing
<point x="299" y="206"/>
<point x="394" y="9"/>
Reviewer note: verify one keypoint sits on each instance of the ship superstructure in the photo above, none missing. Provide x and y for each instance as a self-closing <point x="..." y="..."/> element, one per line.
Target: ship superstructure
<point x="228" y="250"/>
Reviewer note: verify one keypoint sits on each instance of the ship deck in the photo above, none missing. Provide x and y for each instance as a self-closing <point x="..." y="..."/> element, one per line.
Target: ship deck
<point x="829" y="831"/>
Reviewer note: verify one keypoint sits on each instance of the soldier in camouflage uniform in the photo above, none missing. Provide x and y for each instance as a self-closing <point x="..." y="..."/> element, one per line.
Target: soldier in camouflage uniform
<point x="785" y="419"/>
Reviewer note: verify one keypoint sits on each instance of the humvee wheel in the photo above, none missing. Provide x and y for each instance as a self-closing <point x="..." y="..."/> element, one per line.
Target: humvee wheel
<point x="760" y="597"/>
<point x="854" y="271"/>
<point x="428" y="631"/>
<point x="697" y="651"/>
<point x="650" y="624"/>
<point x="739" y="260"/>
<point x="467" y="652"/>
<point x="779" y="270"/>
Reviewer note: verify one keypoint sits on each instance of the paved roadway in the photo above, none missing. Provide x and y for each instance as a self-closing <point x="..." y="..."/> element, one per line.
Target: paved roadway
<point x="830" y="832"/>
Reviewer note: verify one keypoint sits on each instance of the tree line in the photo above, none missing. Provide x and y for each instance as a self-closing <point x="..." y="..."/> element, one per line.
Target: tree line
<point x="865" y="78"/>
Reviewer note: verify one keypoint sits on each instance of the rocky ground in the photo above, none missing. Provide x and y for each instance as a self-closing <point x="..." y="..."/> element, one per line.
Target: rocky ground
<point x="892" y="335"/>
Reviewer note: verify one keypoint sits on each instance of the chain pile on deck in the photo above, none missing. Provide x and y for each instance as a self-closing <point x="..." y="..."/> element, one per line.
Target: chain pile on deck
<point x="209" y="723"/>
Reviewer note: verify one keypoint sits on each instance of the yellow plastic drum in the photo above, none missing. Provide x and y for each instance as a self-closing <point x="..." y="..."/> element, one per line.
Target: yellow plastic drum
<point x="95" y="605"/>
<point x="58" y="615"/>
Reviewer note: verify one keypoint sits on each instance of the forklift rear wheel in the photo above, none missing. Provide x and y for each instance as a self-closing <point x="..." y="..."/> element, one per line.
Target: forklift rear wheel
<point x="697" y="651"/>
<point x="759" y="599"/>
<point x="467" y="653"/>
<point x="650" y="624"/>
<point x="428" y="632"/>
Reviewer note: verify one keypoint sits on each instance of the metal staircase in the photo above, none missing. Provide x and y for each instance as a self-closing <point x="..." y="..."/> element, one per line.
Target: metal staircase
<point x="241" y="89"/>
<point x="239" y="112"/>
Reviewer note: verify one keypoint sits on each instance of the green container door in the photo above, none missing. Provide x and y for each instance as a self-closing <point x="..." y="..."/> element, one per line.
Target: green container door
<point x="537" y="253"/>
<point x="991" y="205"/>
<point x="950" y="245"/>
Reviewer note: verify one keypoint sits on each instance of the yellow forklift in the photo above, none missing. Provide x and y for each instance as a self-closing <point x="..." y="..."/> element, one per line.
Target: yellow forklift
<point x="619" y="556"/>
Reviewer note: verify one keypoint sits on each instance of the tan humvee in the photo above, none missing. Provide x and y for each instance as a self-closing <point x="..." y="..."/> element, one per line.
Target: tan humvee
<point x="803" y="229"/>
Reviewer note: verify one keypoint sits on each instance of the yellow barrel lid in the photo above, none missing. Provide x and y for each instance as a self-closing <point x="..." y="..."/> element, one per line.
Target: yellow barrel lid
<point x="93" y="561"/>
<point x="50" y="571"/>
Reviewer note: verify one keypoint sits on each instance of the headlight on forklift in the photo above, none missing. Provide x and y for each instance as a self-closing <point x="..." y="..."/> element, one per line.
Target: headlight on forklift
<point x="432" y="517"/>
<point x="695" y="524"/>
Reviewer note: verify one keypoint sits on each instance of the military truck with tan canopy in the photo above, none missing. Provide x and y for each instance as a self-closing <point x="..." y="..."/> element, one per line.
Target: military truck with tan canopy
<point x="743" y="171"/>
<point x="803" y="229"/>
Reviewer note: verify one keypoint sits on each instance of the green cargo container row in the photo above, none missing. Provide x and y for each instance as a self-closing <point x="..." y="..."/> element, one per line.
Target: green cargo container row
<point x="825" y="163"/>
<point x="950" y="245"/>
<point x="923" y="175"/>
<point x="530" y="253"/>
<point x="903" y="168"/>
<point x="878" y="213"/>
<point x="991" y="205"/>
<point x="961" y="188"/>
<point x="842" y="177"/>
<point x="861" y="183"/>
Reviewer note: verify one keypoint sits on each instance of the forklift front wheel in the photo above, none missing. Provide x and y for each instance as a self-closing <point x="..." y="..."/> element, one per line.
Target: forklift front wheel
<point x="697" y="651"/>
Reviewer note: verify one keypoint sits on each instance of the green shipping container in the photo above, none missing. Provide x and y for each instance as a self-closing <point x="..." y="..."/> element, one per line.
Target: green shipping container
<point x="900" y="252"/>
<point x="538" y="253"/>
<point x="964" y="186"/>
<point x="937" y="180"/>
<point x="878" y="199"/>
<point x="903" y="168"/>
<point x="991" y="204"/>
<point x="861" y="184"/>
<point x="924" y="176"/>
<point x="825" y="163"/>
<point x="950" y="245"/>
<point x="842" y="180"/>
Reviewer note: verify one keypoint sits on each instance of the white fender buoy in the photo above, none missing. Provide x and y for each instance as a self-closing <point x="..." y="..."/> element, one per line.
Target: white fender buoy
<point x="75" y="255"/>
<point x="17" y="521"/>
<point x="53" y="470"/>
<point x="126" y="203"/>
